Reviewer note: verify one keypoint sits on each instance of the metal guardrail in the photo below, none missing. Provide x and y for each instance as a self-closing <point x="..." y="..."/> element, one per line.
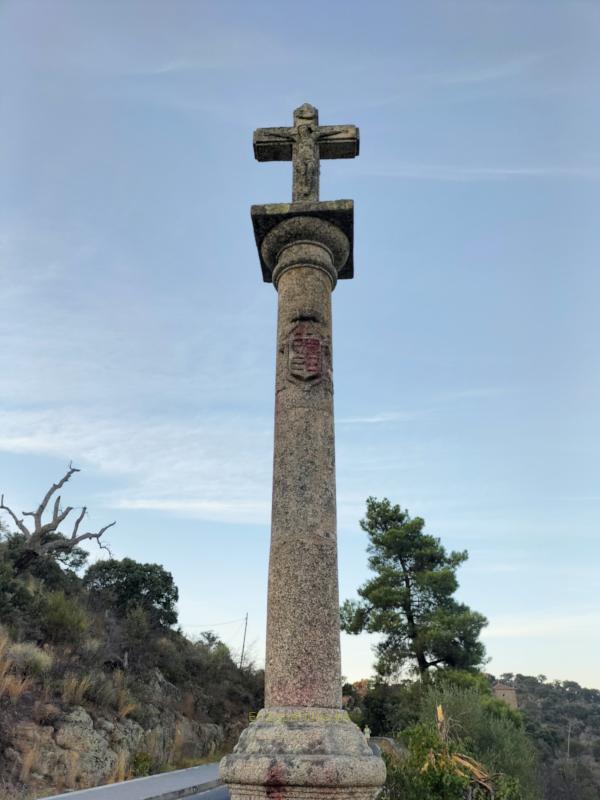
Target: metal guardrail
<point x="164" y="786"/>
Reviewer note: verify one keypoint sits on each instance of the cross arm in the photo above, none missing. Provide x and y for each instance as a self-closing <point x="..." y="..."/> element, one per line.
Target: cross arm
<point x="338" y="141"/>
<point x="273" y="144"/>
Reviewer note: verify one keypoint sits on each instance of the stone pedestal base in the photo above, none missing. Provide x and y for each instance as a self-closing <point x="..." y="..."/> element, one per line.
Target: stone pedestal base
<point x="303" y="754"/>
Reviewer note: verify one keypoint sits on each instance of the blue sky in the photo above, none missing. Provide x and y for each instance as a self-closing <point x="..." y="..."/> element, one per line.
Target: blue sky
<point x="138" y="340"/>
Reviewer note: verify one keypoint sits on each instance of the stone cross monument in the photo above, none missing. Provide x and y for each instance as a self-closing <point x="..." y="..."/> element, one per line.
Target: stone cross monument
<point x="302" y="744"/>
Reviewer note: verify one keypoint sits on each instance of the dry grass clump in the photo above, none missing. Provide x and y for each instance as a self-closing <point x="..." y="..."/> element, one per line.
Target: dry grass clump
<point x="91" y="645"/>
<point x="107" y="692"/>
<point x="121" y="768"/>
<point x="124" y="704"/>
<point x="74" y="688"/>
<point x="30" y="659"/>
<point x="11" y="684"/>
<point x="28" y="758"/>
<point x="122" y="700"/>
<point x="72" y="770"/>
<point x="174" y="753"/>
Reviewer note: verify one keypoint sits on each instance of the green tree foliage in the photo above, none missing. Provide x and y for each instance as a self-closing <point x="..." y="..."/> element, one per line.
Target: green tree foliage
<point x="56" y="569"/>
<point x="410" y="599"/>
<point x="389" y="709"/>
<point x="16" y="603"/>
<point x="126" y="584"/>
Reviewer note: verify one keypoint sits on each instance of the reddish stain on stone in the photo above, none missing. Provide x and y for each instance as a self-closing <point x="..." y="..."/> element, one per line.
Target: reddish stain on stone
<point x="275" y="781"/>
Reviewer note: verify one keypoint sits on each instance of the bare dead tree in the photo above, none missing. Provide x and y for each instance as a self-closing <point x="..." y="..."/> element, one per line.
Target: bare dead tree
<point x="43" y="538"/>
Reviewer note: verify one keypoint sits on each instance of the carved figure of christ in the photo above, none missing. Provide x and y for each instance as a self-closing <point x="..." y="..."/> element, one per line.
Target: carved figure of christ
<point x="304" y="145"/>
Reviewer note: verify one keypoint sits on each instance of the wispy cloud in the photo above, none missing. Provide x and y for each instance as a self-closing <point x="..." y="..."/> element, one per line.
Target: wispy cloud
<point x="468" y="174"/>
<point x="386" y="417"/>
<point x="486" y="73"/>
<point x="474" y="393"/>
<point x="216" y="467"/>
<point x="381" y="418"/>
<point x="521" y="626"/>
<point x="483" y="74"/>
<point x="242" y="510"/>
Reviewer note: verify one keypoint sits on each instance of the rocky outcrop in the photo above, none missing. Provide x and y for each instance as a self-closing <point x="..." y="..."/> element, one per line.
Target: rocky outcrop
<point x="72" y="750"/>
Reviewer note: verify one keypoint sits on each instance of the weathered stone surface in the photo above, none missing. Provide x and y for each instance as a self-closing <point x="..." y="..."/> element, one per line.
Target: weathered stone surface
<point x="77" y="751"/>
<point x="295" y="751"/>
<point x="305" y="144"/>
<point x="265" y="218"/>
<point x="302" y="744"/>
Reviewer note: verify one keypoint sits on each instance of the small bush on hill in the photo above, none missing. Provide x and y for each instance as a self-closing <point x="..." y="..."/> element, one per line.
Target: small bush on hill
<point x="489" y="730"/>
<point x="30" y="659"/>
<point x="62" y="619"/>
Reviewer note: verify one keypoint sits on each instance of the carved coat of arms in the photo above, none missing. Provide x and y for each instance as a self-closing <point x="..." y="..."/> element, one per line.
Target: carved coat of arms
<point x="306" y="353"/>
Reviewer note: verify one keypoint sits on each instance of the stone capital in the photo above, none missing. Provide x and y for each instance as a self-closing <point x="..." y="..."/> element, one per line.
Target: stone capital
<point x="313" y="234"/>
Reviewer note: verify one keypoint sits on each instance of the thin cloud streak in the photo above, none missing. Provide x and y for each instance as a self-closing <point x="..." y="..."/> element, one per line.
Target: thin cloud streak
<point x="491" y="72"/>
<point x="473" y="174"/>
<point x="217" y="467"/>
<point x="213" y="510"/>
<point x="523" y="626"/>
<point x="383" y="417"/>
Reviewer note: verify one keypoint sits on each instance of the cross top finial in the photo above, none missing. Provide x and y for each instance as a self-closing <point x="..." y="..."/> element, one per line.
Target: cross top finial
<point x="304" y="145"/>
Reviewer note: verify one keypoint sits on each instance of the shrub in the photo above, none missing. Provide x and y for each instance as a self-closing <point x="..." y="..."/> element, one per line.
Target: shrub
<point x="106" y="691"/>
<point x="490" y="732"/>
<point x="16" y="603"/>
<point x="141" y="764"/>
<point x="102" y="690"/>
<point x="137" y="628"/>
<point x="30" y="659"/>
<point x="428" y="771"/>
<point x="390" y="709"/>
<point x="63" y="619"/>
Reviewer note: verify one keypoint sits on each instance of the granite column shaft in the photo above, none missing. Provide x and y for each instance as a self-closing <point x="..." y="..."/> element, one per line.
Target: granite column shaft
<point x="303" y="625"/>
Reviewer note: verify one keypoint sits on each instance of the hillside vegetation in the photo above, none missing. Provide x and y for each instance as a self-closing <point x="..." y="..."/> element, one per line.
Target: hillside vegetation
<point x="96" y="683"/>
<point x="563" y="719"/>
<point x="455" y="739"/>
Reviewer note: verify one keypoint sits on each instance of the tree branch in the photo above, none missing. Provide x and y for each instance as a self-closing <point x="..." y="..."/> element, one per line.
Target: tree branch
<point x="54" y="488"/>
<point x="34" y="539"/>
<point x="78" y="522"/>
<point x="74" y="540"/>
<point x="18" y="522"/>
<point x="51" y="526"/>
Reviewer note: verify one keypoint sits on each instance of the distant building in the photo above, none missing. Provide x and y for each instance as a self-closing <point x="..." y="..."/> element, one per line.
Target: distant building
<point x="507" y="693"/>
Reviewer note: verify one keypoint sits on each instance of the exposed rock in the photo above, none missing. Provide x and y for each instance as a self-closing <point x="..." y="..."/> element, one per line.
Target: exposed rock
<point x="91" y="758"/>
<point x="75" y="752"/>
<point x="127" y="735"/>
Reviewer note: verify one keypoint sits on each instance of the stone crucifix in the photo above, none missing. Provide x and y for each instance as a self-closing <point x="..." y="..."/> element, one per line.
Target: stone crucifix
<point x="304" y="145"/>
<point x="303" y="745"/>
